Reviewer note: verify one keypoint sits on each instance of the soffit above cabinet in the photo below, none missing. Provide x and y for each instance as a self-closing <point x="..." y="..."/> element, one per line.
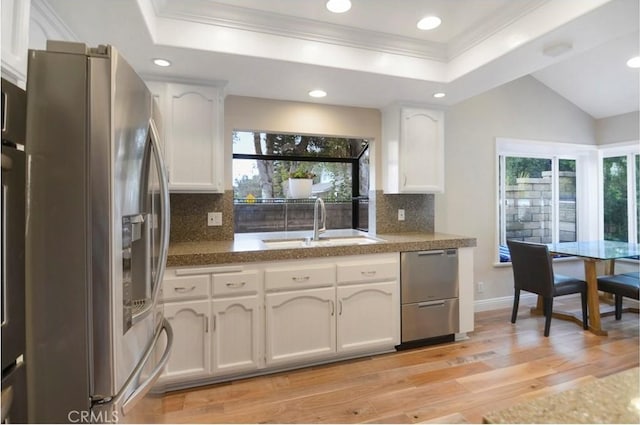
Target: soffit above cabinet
<point x="252" y="44"/>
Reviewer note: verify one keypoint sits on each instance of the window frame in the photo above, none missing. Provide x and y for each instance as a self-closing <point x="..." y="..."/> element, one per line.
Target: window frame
<point x="585" y="157"/>
<point x="629" y="150"/>
<point x="353" y="161"/>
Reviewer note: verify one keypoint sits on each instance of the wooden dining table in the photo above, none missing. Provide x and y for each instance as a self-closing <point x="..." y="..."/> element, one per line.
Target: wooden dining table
<point x="593" y="252"/>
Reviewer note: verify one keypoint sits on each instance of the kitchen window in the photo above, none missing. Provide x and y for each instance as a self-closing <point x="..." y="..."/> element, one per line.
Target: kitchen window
<point x="262" y="163"/>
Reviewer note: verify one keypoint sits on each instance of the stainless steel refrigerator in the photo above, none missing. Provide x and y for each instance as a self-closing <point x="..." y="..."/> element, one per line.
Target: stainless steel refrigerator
<point x="14" y="391"/>
<point x="97" y="233"/>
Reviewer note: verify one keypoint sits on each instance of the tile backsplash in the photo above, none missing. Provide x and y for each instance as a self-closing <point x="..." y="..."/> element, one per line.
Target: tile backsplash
<point x="189" y="215"/>
<point x="418" y="208"/>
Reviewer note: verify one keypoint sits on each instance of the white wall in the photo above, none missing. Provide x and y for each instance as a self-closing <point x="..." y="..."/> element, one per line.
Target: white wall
<point x="619" y="128"/>
<point x="252" y="113"/>
<point x="522" y="109"/>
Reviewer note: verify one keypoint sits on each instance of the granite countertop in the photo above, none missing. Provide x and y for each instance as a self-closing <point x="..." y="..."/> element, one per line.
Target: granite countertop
<point x="249" y="247"/>
<point x="613" y="399"/>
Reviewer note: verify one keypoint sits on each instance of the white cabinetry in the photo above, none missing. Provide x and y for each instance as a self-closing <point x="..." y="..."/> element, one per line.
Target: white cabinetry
<point x="237" y="324"/>
<point x="412" y="150"/>
<point x="187" y="308"/>
<point x="300" y="322"/>
<point x="300" y="325"/>
<point x="368" y="304"/>
<point x="15" y="40"/>
<point x="237" y="320"/>
<point x="190" y="355"/>
<point x="192" y="130"/>
<point x="360" y="314"/>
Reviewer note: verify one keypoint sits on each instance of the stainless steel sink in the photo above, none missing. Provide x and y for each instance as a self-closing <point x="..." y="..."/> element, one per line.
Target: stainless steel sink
<point x="323" y="242"/>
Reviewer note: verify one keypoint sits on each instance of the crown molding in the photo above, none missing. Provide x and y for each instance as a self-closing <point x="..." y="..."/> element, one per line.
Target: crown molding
<point x="210" y="12"/>
<point x="498" y="21"/>
<point x="46" y="17"/>
<point x="239" y="18"/>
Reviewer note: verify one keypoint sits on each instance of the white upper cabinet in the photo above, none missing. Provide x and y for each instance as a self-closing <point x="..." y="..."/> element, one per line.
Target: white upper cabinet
<point x="15" y="40"/>
<point x="191" y="125"/>
<point x="412" y="150"/>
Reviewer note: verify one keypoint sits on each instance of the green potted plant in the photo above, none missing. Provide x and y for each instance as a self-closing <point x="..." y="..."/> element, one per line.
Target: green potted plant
<point x="300" y="182"/>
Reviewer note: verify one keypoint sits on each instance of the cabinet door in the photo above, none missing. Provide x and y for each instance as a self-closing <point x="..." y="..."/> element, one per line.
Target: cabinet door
<point x="421" y="153"/>
<point x="193" y="129"/>
<point x="15" y="40"/>
<point x="236" y="335"/>
<point x="368" y="316"/>
<point x="300" y="325"/>
<point x="190" y="355"/>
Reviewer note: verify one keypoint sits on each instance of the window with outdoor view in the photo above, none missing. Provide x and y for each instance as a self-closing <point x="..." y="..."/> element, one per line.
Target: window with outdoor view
<point x="621" y="195"/>
<point x="265" y="165"/>
<point x="537" y="200"/>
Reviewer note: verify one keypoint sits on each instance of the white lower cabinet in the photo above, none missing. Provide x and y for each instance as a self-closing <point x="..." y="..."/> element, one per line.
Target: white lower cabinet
<point x="300" y="325"/>
<point x="278" y="315"/>
<point x="367" y="316"/>
<point x="190" y="355"/>
<point x="236" y="335"/>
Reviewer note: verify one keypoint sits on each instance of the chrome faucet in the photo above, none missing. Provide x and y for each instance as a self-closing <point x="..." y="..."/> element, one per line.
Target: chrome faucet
<point x="316" y="229"/>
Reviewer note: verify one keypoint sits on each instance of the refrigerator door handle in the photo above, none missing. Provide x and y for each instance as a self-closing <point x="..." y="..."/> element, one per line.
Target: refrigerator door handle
<point x="143" y="388"/>
<point x="164" y="196"/>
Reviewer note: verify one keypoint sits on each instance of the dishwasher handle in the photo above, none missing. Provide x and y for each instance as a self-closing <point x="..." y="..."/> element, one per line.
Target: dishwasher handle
<point x="425" y="253"/>
<point x="438" y="303"/>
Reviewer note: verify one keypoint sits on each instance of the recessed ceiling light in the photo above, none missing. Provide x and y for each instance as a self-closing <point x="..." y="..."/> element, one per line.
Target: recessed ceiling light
<point x="634" y="62"/>
<point x="317" y="93"/>
<point x="162" y="62"/>
<point x="338" y="6"/>
<point x="439" y="95"/>
<point x="429" y="23"/>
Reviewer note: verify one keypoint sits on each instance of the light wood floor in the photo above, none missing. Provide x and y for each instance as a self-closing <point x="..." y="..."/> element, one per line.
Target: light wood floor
<point x="500" y="365"/>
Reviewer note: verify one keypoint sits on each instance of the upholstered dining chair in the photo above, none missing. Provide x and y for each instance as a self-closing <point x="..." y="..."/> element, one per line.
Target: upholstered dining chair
<point x="533" y="272"/>
<point x="620" y="285"/>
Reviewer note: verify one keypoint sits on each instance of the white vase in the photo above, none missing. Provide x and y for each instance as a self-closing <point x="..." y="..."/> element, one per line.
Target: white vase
<point x="300" y="188"/>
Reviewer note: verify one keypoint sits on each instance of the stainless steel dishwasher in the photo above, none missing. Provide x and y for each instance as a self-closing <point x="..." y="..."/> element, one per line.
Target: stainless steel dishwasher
<point x="429" y="295"/>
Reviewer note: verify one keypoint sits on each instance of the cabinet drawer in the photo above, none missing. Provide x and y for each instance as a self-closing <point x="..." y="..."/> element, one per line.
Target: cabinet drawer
<point x="300" y="277"/>
<point x="367" y="271"/>
<point x="235" y="283"/>
<point x="183" y="288"/>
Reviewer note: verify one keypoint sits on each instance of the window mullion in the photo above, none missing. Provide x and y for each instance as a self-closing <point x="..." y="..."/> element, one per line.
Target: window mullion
<point x="555" y="200"/>
<point x="631" y="199"/>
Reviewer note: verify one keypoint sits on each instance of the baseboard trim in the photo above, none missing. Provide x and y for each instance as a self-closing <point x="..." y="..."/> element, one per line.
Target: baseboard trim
<point x="525" y="299"/>
<point x="503" y="302"/>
